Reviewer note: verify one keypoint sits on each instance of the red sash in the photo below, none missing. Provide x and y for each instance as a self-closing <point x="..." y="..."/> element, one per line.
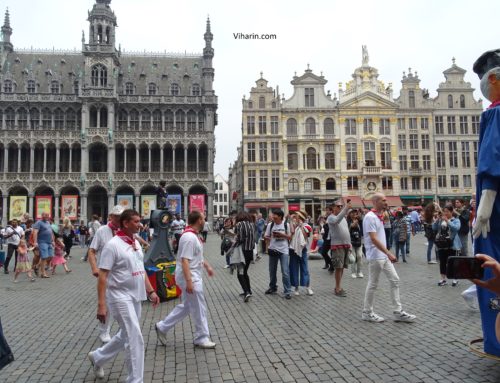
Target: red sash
<point x="124" y="237"/>
<point x="496" y="103"/>
<point x="381" y="216"/>
<point x="189" y="229"/>
<point x="113" y="228"/>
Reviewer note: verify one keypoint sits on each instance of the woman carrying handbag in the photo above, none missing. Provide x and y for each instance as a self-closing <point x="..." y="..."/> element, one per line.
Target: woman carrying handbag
<point x="242" y="252"/>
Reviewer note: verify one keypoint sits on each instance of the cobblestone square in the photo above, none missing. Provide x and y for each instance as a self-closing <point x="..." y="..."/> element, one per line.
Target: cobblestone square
<point x="50" y="325"/>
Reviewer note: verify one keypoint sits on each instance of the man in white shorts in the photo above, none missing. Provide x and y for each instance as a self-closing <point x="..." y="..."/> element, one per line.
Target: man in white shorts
<point x="122" y="286"/>
<point x="188" y="275"/>
<point x="101" y="237"/>
<point x="380" y="260"/>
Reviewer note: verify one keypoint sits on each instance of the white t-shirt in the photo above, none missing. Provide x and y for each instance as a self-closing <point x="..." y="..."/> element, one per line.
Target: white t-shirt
<point x="178" y="226"/>
<point x="190" y="247"/>
<point x="372" y="224"/>
<point x="102" y="236"/>
<point x="16" y="236"/>
<point x="278" y="244"/>
<point x="126" y="271"/>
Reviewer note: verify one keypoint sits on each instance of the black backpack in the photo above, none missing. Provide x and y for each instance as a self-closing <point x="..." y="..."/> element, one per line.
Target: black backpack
<point x="430" y="234"/>
<point x="443" y="238"/>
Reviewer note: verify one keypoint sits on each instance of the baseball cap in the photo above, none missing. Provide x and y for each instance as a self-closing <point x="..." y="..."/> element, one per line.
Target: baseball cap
<point x="117" y="210"/>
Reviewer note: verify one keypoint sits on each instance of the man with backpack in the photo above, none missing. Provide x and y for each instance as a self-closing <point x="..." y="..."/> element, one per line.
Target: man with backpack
<point x="464" y="216"/>
<point x="278" y="236"/>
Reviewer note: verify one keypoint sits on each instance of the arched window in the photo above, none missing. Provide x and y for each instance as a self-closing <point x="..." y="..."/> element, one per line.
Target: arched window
<point x="291" y="127"/>
<point x="450" y="101"/>
<point x="99" y="75"/>
<point x="331" y="184"/>
<point x="108" y="35"/>
<point x="201" y="120"/>
<point x="328" y="127"/>
<point x="7" y="86"/>
<point x="179" y="119"/>
<point x="99" y="34"/>
<point x="310" y="126"/>
<point x="31" y="87"/>
<point x="196" y="90"/>
<point x="146" y="119"/>
<point x="262" y="102"/>
<point x="191" y="121"/>
<point x="76" y="87"/>
<point x="273" y="105"/>
<point x="311" y="158"/>
<point x="10" y="118"/>
<point x="54" y="87"/>
<point x="134" y="119"/>
<point x="462" y="101"/>
<point x="103" y="117"/>
<point x="293" y="185"/>
<point x="46" y="118"/>
<point x="129" y="88"/>
<point x="122" y="119"/>
<point x="174" y="89"/>
<point x="152" y="89"/>
<point x="71" y="119"/>
<point x="58" y="119"/>
<point x="169" y="120"/>
<point x="312" y="184"/>
<point x="22" y="118"/>
<point x="34" y="118"/>
<point x="411" y="98"/>
<point x="157" y="120"/>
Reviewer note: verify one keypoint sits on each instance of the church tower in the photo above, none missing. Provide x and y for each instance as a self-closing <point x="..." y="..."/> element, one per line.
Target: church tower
<point x="6" y="45"/>
<point x="208" y="55"/>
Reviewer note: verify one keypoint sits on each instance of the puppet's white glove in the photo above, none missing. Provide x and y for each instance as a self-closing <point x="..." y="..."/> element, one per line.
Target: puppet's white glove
<point x="483" y="215"/>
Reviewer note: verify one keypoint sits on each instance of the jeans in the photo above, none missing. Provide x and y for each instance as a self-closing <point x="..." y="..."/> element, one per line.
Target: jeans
<point x="408" y="238"/>
<point x="430" y="245"/>
<point x="375" y="267"/>
<point x="128" y="339"/>
<point x="83" y="237"/>
<point x="464" y="239"/>
<point x="11" y="250"/>
<point x="388" y="237"/>
<point x="358" y="254"/>
<point x="284" y="259"/>
<point x="400" y="247"/>
<point x="299" y="265"/>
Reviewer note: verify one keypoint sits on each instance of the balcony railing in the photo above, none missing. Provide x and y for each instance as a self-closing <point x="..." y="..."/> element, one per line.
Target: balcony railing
<point x="415" y="171"/>
<point x="371" y="170"/>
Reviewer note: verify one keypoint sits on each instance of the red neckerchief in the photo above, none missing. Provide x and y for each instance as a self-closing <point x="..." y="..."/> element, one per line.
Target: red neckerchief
<point x="496" y="103"/>
<point x="113" y="228"/>
<point x="380" y="216"/>
<point x="189" y="229"/>
<point x="126" y="238"/>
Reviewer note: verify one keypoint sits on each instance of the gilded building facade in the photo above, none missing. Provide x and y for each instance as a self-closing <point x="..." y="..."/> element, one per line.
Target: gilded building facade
<point x="413" y="148"/>
<point x="104" y="125"/>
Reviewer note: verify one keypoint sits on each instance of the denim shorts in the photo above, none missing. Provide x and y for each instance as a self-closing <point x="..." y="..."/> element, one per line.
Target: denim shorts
<point x="46" y="250"/>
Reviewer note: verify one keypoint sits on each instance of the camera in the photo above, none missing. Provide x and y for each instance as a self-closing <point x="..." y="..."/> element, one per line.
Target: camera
<point x="464" y="268"/>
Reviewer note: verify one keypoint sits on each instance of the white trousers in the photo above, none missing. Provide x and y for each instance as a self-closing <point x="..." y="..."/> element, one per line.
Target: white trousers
<point x="192" y="304"/>
<point x="375" y="267"/>
<point x="128" y="338"/>
<point x="104" y="328"/>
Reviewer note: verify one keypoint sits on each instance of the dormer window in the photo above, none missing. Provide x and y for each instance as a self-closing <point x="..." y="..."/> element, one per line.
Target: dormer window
<point x="152" y="89"/>
<point x="54" y="87"/>
<point x="250" y="105"/>
<point x="129" y="89"/>
<point x="195" y="90"/>
<point x="309" y="96"/>
<point x="462" y="101"/>
<point x="411" y="99"/>
<point x="7" y="86"/>
<point x="450" y="101"/>
<point x="174" y="89"/>
<point x="31" y="87"/>
<point x="99" y="75"/>
<point x="262" y="102"/>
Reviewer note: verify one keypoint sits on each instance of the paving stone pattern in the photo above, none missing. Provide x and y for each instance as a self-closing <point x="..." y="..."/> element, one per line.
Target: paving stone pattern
<point x="51" y="326"/>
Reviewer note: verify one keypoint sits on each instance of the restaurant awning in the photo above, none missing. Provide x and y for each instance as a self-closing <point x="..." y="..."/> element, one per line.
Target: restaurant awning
<point x="394" y="201"/>
<point x="356" y="201"/>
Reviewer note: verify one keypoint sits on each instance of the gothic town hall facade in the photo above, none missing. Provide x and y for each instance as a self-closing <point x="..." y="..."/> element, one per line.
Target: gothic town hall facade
<point x="94" y="128"/>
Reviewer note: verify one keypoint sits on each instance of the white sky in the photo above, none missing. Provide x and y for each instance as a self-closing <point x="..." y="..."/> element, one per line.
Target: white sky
<point x="327" y="34"/>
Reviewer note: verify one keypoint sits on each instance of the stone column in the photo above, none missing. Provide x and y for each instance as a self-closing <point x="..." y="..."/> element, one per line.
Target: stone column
<point x="83" y="208"/>
<point x="197" y="159"/>
<point x="31" y="212"/>
<point x="186" y="212"/>
<point x="173" y="160"/>
<point x="137" y="160"/>
<point x="98" y="123"/>
<point x="70" y="167"/>
<point x="150" y="158"/>
<point x="138" y="203"/>
<point x="85" y="160"/>
<point x="111" y="160"/>
<point x="185" y="160"/>
<point x="32" y="160"/>
<point x="4" y="209"/>
<point x="19" y="159"/>
<point x="58" y="158"/>
<point x="125" y="159"/>
<point x="111" y="202"/>
<point x="5" y="159"/>
<point x="45" y="159"/>
<point x="56" y="209"/>
<point x="161" y="161"/>
<point x="210" y="208"/>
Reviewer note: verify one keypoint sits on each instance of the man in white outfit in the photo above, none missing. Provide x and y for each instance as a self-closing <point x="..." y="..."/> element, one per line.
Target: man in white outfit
<point x="102" y="236"/>
<point x="380" y="260"/>
<point x="188" y="275"/>
<point x="122" y="286"/>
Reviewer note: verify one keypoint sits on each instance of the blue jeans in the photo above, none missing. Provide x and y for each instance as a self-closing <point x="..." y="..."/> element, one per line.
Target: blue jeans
<point x="299" y="265"/>
<point x="284" y="259"/>
<point x="408" y="238"/>
<point x="430" y="245"/>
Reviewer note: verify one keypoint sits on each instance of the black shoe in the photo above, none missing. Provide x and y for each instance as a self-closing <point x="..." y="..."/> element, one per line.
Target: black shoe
<point x="247" y="297"/>
<point x="325" y="267"/>
<point x="288" y="296"/>
<point x="243" y="294"/>
<point x="270" y="291"/>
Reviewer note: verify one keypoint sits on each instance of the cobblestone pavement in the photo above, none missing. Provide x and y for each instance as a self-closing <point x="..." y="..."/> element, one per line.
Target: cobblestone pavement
<point x="50" y="325"/>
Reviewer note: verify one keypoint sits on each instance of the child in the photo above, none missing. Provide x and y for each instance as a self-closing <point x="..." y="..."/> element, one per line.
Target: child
<point x="23" y="262"/>
<point x="58" y="258"/>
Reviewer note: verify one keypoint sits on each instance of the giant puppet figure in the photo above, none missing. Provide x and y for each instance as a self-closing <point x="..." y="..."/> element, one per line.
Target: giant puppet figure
<point x="487" y="227"/>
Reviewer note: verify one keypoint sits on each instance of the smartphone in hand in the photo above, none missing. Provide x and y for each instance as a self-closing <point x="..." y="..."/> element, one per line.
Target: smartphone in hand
<point x="464" y="268"/>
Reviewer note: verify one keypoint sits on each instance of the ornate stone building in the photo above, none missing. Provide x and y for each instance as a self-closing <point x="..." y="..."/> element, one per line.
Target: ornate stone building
<point x="413" y="148"/>
<point x="102" y="124"/>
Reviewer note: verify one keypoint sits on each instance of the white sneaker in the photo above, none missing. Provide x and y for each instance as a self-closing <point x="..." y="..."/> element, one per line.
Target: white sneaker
<point x="296" y="292"/>
<point x="105" y="338"/>
<point x="403" y="316"/>
<point x="309" y="291"/>
<point x="162" y="337"/>
<point x="360" y="275"/>
<point x="227" y="267"/>
<point x="371" y="317"/>
<point x="353" y="275"/>
<point x="98" y="371"/>
<point x="207" y="345"/>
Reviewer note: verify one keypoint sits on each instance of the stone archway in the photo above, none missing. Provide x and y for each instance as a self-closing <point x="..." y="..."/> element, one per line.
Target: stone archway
<point x="97" y="202"/>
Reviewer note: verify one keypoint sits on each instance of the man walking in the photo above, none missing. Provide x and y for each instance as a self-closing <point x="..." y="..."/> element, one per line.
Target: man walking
<point x="380" y="260"/>
<point x="102" y="236"/>
<point x="340" y="242"/>
<point x="409" y="228"/>
<point x="44" y="241"/>
<point x="278" y="236"/>
<point x="463" y="232"/>
<point x="188" y="275"/>
<point x="122" y="286"/>
<point x="13" y="235"/>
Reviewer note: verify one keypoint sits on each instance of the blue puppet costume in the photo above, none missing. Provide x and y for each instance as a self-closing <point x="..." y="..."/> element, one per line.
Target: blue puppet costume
<point x="487" y="228"/>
